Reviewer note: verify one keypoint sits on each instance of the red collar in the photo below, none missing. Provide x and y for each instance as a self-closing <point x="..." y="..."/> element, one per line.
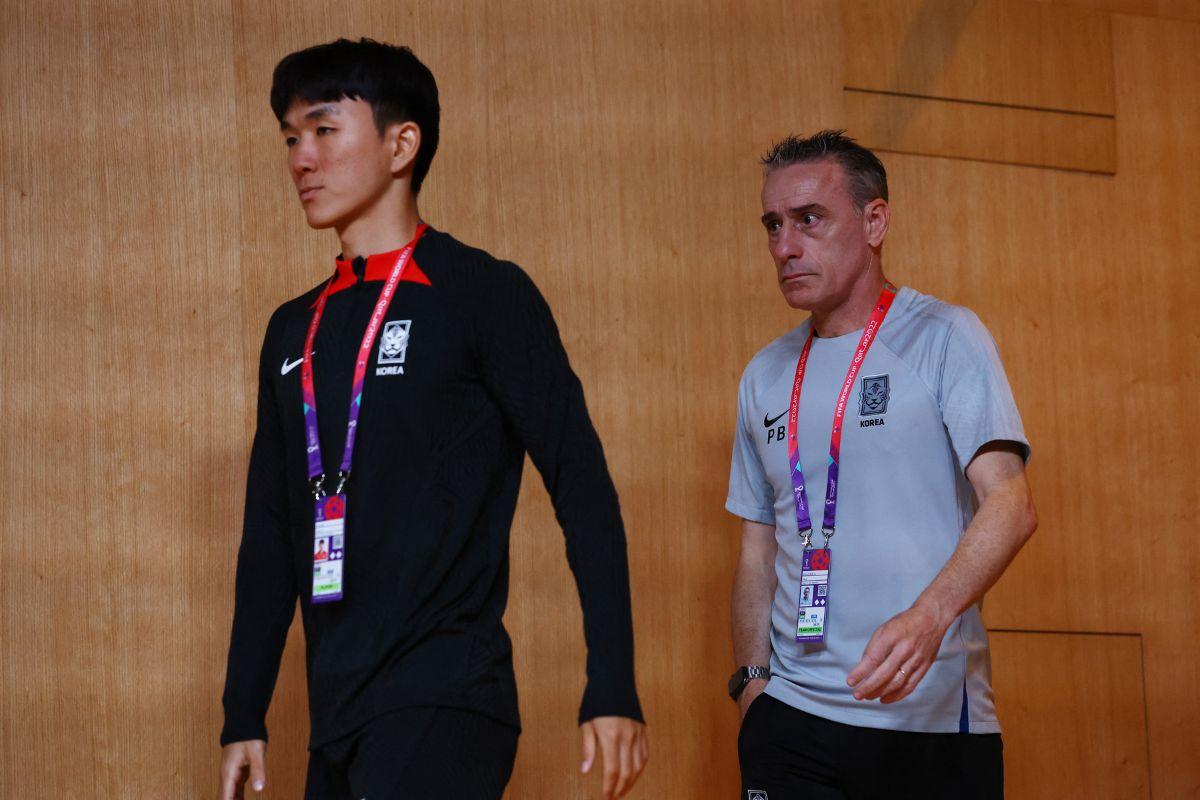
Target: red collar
<point x="379" y="266"/>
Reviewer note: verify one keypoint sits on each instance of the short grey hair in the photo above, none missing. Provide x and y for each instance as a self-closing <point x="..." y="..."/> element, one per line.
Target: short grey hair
<point x="868" y="178"/>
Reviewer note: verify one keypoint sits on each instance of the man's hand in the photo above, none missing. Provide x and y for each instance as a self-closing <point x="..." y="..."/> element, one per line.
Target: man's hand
<point x="753" y="689"/>
<point x="623" y="747"/>
<point x="240" y="760"/>
<point x="899" y="654"/>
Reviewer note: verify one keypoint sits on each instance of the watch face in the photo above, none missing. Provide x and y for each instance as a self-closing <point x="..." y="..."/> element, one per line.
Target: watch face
<point x="737" y="681"/>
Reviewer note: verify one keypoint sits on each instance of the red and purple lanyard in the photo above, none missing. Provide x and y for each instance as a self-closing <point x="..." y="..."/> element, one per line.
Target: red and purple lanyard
<point x="316" y="470"/>
<point x="803" y="513"/>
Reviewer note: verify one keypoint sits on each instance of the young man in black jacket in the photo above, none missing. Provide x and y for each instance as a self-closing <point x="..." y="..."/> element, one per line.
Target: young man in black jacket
<point x="396" y="402"/>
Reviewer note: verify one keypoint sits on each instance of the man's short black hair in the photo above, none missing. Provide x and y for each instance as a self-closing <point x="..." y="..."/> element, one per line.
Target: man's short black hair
<point x="868" y="178"/>
<point x="393" y="81"/>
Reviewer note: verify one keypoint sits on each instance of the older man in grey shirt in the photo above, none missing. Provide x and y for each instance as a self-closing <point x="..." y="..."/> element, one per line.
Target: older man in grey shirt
<point x="902" y="417"/>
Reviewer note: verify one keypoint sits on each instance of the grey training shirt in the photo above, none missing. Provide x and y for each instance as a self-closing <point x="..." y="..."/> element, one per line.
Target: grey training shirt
<point x="931" y="392"/>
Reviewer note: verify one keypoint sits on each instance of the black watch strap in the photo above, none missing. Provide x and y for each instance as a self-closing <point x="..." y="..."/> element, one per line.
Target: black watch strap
<point x="743" y="676"/>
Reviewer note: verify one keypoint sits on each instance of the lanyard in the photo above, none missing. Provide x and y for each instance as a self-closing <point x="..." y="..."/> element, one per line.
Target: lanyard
<point x="316" y="473"/>
<point x="803" y="514"/>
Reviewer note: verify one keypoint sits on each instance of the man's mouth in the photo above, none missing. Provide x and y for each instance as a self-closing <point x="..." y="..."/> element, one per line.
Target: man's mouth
<point x="794" y="277"/>
<point x="309" y="193"/>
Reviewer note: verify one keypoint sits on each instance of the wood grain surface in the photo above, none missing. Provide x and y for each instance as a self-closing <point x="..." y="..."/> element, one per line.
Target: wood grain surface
<point x="998" y="51"/>
<point x="148" y="229"/>
<point x="1165" y="9"/>
<point x="1075" y="715"/>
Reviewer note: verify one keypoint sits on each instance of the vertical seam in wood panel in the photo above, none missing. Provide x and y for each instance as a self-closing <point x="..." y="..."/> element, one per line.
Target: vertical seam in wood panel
<point x="1145" y="704"/>
<point x="1141" y="664"/>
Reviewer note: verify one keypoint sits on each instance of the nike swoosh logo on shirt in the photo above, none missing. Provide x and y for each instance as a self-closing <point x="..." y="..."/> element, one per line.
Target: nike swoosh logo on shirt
<point x="286" y="368"/>
<point x="769" y="422"/>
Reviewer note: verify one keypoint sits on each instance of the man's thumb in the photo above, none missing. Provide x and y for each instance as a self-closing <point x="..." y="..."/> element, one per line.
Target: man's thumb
<point x="258" y="771"/>
<point x="589" y="745"/>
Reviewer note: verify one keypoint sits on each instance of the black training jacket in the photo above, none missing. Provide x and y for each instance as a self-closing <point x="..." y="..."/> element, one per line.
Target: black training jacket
<point x="436" y="470"/>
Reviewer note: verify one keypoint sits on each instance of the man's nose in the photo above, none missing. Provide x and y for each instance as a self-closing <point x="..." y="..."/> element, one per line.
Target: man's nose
<point x="302" y="158"/>
<point x="786" y="245"/>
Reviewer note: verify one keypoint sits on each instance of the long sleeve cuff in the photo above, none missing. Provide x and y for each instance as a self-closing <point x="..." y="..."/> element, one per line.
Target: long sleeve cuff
<point x="610" y="699"/>
<point x="242" y="730"/>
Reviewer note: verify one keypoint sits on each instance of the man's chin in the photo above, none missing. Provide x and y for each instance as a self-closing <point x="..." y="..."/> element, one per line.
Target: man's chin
<point x="801" y="301"/>
<point x="318" y="219"/>
<point x="318" y="222"/>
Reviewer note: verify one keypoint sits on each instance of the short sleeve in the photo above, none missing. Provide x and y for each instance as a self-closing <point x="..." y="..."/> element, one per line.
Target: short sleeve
<point x="976" y="401"/>
<point x="750" y="494"/>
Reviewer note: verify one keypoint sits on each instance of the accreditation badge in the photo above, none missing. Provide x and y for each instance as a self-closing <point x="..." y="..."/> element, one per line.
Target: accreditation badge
<point x="329" y="534"/>
<point x="814" y="594"/>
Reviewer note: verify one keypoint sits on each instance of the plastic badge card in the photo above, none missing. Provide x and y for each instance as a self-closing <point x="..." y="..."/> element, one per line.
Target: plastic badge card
<point x="328" y="542"/>
<point x="814" y="595"/>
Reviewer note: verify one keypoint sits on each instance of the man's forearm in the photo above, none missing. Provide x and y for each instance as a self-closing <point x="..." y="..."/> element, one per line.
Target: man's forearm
<point x="260" y="626"/>
<point x="265" y="590"/>
<point x="602" y="578"/>
<point x="1004" y="522"/>
<point x="753" y="594"/>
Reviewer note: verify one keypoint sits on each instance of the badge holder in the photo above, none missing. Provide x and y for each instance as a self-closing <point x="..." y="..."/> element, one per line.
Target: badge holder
<point x="329" y="534"/>
<point x="814" y="588"/>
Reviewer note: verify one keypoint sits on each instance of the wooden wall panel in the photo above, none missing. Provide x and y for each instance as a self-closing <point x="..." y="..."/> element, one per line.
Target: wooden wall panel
<point x="123" y="394"/>
<point x="997" y="51"/>
<point x="1084" y="281"/>
<point x="1159" y="98"/>
<point x="998" y="80"/>
<point x="1074" y="716"/>
<point x="979" y="132"/>
<point x="1149" y="7"/>
<point x="1179" y="9"/>
<point x="1167" y="9"/>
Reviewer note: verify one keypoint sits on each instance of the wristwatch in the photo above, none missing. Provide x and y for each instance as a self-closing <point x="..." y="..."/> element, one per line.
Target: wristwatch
<point x="742" y="676"/>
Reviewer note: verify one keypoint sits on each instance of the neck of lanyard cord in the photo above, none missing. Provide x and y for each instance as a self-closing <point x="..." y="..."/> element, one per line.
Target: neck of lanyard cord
<point x="803" y="513"/>
<point x="316" y="470"/>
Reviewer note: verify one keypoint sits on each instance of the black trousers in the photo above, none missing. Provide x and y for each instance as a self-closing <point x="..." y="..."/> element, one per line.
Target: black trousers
<point x="416" y="754"/>
<point x="787" y="754"/>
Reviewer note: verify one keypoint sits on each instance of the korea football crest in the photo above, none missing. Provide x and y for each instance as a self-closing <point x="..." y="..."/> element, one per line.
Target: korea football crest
<point x="393" y="346"/>
<point x="393" y="342"/>
<point x="873" y="396"/>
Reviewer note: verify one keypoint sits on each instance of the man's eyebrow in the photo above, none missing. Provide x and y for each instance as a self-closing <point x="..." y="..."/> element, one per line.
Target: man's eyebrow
<point x="320" y="112"/>
<point x="796" y="211"/>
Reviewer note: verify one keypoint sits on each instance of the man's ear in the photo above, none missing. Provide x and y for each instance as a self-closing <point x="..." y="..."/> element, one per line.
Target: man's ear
<point x="876" y="217"/>
<point x="404" y="139"/>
